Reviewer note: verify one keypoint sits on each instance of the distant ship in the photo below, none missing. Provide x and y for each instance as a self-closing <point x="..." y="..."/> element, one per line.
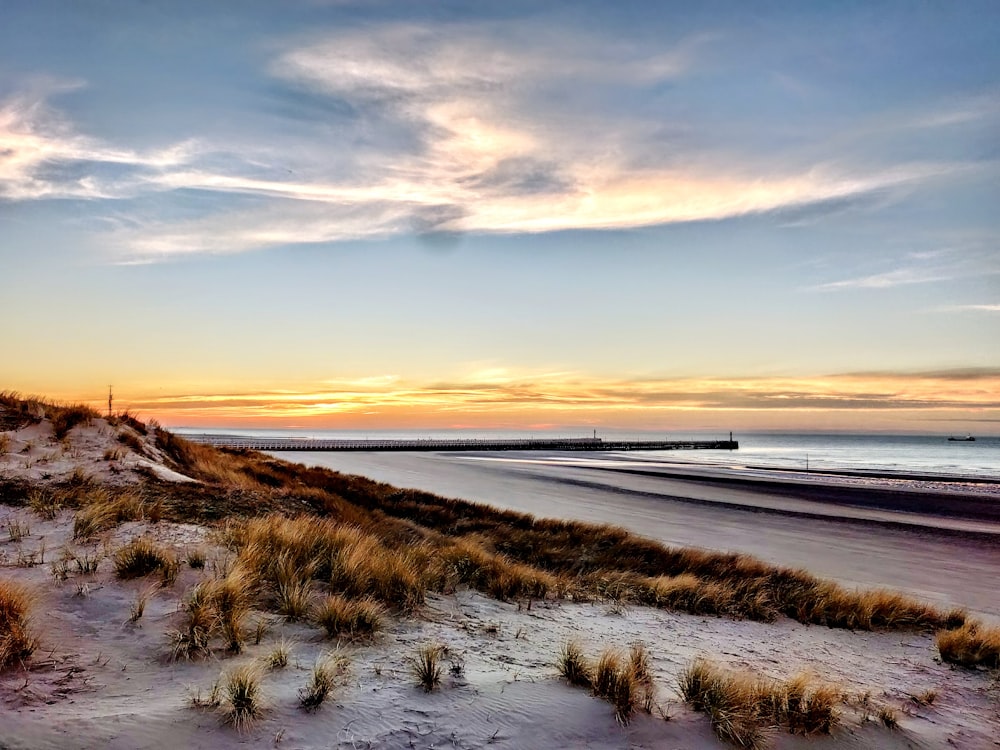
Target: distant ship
<point x="966" y="439"/>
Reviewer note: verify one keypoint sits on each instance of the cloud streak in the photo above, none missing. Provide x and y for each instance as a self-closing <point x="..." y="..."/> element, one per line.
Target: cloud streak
<point x="572" y="398"/>
<point x="42" y="157"/>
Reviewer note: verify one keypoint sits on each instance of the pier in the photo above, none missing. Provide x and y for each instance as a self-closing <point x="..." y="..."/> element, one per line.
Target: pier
<point x="518" y="444"/>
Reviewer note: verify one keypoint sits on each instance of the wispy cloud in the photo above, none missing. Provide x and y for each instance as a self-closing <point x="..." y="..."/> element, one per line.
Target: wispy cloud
<point x="898" y="277"/>
<point x="41" y="156"/>
<point x="987" y="308"/>
<point x="969" y="258"/>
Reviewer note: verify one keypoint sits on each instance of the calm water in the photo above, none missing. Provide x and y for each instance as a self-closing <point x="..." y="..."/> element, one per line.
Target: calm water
<point x="884" y="453"/>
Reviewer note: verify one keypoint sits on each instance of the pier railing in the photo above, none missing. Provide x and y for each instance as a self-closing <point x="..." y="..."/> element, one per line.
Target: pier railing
<point x="471" y="444"/>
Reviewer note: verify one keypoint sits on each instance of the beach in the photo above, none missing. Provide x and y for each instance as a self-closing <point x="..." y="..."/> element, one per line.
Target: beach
<point x="111" y="665"/>
<point x="786" y="518"/>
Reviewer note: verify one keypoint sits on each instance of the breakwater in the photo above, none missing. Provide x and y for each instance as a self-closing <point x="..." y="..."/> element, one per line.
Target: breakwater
<point x="437" y="444"/>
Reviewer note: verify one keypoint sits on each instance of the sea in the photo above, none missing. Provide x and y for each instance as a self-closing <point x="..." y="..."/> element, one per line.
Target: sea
<point x="924" y="455"/>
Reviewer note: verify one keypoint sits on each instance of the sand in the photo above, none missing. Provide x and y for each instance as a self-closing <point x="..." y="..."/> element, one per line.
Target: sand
<point x="99" y="681"/>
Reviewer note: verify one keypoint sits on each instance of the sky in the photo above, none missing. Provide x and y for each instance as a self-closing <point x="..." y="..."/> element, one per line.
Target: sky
<point x="505" y="215"/>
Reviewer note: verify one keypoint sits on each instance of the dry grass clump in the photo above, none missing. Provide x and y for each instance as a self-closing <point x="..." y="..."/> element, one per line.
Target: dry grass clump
<point x="104" y="511"/>
<point x="143" y="556"/>
<point x="65" y="418"/>
<point x="4" y="443"/>
<point x="130" y="439"/>
<point x="888" y="717"/>
<point x="22" y="409"/>
<point x="615" y="681"/>
<point x="128" y="419"/>
<point x="973" y="644"/>
<point x="327" y="671"/>
<point x="426" y="666"/>
<point x="690" y="579"/>
<point x="624" y="681"/>
<point x="211" y="464"/>
<point x="289" y="552"/>
<point x="340" y="616"/>
<point x="196" y="558"/>
<point x="243" y="695"/>
<point x="575" y="667"/>
<point x="277" y="658"/>
<point x="293" y="598"/>
<point x="16" y="641"/>
<point x="741" y="705"/>
<point x="138" y="607"/>
<point x="45" y="502"/>
<point x="496" y="575"/>
<point x="215" y="609"/>
<point x="17" y="529"/>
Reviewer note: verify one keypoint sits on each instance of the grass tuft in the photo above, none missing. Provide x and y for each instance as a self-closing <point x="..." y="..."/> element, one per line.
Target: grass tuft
<point x="325" y="675"/>
<point x="277" y="658"/>
<point x="104" y="511"/>
<point x="426" y="666"/>
<point x="17" y="529"/>
<point x="243" y="696"/>
<point x="353" y="618"/>
<point x="573" y="665"/>
<point x="196" y="559"/>
<point x="740" y="705"/>
<point x="215" y="609"/>
<point x="138" y="607"/>
<point x="140" y="557"/>
<point x="16" y="640"/>
<point x="888" y="717"/>
<point x="65" y="418"/>
<point x="971" y="645"/>
<point x="615" y="682"/>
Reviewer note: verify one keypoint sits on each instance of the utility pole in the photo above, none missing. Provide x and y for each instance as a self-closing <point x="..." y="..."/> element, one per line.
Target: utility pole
<point x="110" y="398"/>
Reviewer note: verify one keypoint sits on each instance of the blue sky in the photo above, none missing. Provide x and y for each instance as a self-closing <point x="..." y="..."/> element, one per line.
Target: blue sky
<point x="518" y="214"/>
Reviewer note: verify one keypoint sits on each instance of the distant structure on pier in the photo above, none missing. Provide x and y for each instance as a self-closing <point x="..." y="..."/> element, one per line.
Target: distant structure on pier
<point x="527" y="444"/>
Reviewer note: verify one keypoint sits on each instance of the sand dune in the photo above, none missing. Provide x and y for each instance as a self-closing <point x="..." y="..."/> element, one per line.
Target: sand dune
<point x="98" y="679"/>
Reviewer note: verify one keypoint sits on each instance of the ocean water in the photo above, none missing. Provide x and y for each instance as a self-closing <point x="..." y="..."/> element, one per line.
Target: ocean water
<point x="902" y="454"/>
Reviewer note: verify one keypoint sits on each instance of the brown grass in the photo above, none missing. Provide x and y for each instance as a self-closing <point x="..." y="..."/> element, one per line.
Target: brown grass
<point x="65" y="418"/>
<point x="130" y="439"/>
<point x="287" y="552"/>
<point x="375" y="541"/>
<point x="16" y="640"/>
<point x="215" y="609"/>
<point x="143" y="556"/>
<point x="243" y="695"/>
<point x="327" y="671"/>
<point x="104" y="510"/>
<point x="741" y="705"/>
<point x="624" y="681"/>
<point x="426" y="666"/>
<point x="575" y="667"/>
<point x="615" y="681"/>
<point x="353" y="618"/>
<point x="971" y="645"/>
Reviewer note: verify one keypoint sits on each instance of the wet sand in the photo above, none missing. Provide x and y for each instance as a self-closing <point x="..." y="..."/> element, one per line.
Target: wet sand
<point x="858" y="533"/>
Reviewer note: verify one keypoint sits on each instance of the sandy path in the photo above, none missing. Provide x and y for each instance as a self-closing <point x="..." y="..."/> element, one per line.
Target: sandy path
<point x="942" y="568"/>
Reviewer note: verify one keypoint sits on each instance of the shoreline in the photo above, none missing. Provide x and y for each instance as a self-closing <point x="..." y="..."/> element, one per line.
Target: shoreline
<point x="859" y="547"/>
